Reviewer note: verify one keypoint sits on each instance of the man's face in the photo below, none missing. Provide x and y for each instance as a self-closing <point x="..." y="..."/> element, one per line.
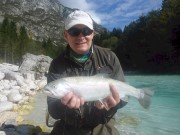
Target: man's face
<point x="79" y="43"/>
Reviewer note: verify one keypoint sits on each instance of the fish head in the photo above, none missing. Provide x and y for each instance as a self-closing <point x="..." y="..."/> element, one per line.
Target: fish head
<point x="57" y="88"/>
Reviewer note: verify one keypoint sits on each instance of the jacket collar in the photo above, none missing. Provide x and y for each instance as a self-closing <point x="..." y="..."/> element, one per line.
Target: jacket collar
<point x="67" y="51"/>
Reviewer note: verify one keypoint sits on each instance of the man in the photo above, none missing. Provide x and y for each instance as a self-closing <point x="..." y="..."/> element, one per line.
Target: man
<point x="83" y="58"/>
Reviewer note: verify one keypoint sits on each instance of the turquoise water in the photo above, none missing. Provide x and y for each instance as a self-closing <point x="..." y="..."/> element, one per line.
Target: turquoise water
<point x="163" y="116"/>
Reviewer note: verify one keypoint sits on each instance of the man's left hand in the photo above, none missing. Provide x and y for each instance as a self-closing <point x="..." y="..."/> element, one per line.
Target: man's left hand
<point x="110" y="101"/>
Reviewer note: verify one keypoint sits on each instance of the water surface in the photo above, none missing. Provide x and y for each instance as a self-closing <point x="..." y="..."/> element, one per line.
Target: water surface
<point x="163" y="116"/>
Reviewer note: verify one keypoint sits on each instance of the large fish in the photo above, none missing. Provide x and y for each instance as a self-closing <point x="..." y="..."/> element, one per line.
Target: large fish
<point x="96" y="88"/>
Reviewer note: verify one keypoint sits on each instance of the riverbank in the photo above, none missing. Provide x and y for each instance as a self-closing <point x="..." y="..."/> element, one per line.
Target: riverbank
<point x="19" y="86"/>
<point x="37" y="116"/>
<point x="33" y="120"/>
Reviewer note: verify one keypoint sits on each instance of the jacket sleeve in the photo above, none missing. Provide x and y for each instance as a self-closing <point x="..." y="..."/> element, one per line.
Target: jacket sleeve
<point x="55" y="108"/>
<point x="117" y="75"/>
<point x="117" y="69"/>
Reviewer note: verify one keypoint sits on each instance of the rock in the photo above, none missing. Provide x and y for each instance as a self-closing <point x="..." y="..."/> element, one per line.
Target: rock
<point x="24" y="100"/>
<point x="24" y="129"/>
<point x="3" y="98"/>
<point x="2" y="75"/>
<point x="29" y="76"/>
<point x="14" y="96"/>
<point x="15" y="76"/>
<point x="42" y="83"/>
<point x="2" y="133"/>
<point x="36" y="65"/>
<point x="13" y="83"/>
<point x="8" y="67"/>
<point x="5" y="84"/>
<point x="6" y="106"/>
<point x="31" y="84"/>
<point x="15" y="87"/>
<point x="10" y="121"/>
<point x="25" y="89"/>
<point x="18" y="85"/>
<point x="28" y="129"/>
<point x="10" y="75"/>
<point x="28" y="64"/>
<point x="1" y="87"/>
<point x="5" y="92"/>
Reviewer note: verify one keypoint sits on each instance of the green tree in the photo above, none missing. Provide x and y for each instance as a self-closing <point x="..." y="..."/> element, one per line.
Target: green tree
<point x="111" y="42"/>
<point x="13" y="40"/>
<point x="4" y="36"/>
<point x="146" y="43"/>
<point x="23" y="40"/>
<point x="117" y="32"/>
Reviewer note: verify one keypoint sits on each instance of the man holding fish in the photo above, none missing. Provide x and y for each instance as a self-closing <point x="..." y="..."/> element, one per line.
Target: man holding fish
<point x="82" y="58"/>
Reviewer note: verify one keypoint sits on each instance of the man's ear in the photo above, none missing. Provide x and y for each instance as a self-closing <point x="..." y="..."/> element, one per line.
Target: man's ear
<point x="93" y="34"/>
<point x="65" y="35"/>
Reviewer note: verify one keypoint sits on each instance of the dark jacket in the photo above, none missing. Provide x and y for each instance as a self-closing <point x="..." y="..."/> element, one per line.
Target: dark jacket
<point x="88" y="117"/>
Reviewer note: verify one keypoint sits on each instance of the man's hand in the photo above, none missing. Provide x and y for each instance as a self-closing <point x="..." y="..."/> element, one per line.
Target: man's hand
<point x="110" y="101"/>
<point x="72" y="101"/>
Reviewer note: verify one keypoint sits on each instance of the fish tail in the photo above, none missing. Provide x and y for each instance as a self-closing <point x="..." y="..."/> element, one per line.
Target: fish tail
<point x="145" y="98"/>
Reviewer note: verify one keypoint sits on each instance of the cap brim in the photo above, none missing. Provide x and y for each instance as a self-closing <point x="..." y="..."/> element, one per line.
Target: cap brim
<point x="76" y="22"/>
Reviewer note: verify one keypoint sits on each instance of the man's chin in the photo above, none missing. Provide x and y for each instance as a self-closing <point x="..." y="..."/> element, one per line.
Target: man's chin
<point x="82" y="50"/>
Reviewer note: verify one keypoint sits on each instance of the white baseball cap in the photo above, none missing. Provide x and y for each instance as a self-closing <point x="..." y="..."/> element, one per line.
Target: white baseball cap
<point x="78" y="17"/>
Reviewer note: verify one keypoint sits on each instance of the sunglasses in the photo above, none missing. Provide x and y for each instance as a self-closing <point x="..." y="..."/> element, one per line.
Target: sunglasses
<point x="75" y="31"/>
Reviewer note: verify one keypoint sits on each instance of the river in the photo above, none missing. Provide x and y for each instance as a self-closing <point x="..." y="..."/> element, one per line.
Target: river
<point x="162" y="118"/>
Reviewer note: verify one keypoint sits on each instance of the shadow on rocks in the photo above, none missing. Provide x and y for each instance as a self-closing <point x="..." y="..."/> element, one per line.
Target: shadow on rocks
<point x="23" y="129"/>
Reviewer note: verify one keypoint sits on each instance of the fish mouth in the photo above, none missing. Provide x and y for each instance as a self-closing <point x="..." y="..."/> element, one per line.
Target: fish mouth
<point x="46" y="91"/>
<point x="50" y="92"/>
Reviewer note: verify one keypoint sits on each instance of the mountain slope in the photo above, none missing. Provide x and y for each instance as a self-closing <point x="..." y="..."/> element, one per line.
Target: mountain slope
<point x="42" y="18"/>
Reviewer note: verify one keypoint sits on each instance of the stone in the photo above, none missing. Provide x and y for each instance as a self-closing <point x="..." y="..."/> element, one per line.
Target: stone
<point x="2" y="133"/>
<point x="14" y="96"/>
<point x="6" y="106"/>
<point x="36" y="65"/>
<point x="8" y="116"/>
<point x="3" y="98"/>
<point x="8" y="67"/>
<point x="42" y="83"/>
<point x="2" y="75"/>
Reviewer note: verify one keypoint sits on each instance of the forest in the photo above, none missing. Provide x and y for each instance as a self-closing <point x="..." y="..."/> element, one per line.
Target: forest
<point x="15" y="42"/>
<point x="149" y="44"/>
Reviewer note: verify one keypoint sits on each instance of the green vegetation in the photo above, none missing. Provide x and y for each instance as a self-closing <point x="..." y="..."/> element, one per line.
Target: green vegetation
<point x="15" y="42"/>
<point x="150" y="43"/>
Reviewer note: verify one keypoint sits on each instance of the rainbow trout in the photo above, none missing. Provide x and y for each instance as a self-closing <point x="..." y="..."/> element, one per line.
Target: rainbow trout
<point x="95" y="88"/>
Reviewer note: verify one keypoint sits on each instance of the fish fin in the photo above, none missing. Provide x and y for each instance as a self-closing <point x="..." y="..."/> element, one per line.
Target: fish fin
<point x="125" y="98"/>
<point x="145" y="97"/>
<point x="105" y="106"/>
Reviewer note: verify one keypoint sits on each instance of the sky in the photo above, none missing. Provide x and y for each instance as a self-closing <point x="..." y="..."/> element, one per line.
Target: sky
<point x="114" y="13"/>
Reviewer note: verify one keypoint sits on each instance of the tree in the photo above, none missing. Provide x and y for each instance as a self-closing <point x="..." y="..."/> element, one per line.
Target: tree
<point x="117" y="32"/>
<point x="111" y="42"/>
<point x="4" y="35"/>
<point x="22" y="43"/>
<point x="13" y="39"/>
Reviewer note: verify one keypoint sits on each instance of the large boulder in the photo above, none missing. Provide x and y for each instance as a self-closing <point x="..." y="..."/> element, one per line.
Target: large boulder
<point x="35" y="64"/>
